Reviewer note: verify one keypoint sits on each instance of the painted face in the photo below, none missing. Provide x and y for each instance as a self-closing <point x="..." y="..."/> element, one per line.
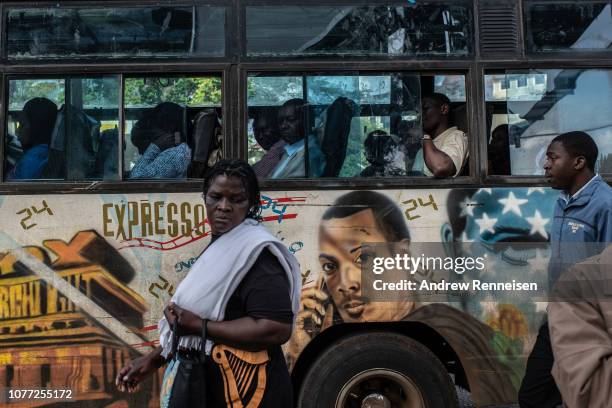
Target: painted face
<point x="290" y="124"/>
<point x="227" y="203"/>
<point x="559" y="167"/>
<point x="266" y="133"/>
<point x="432" y="114"/>
<point x="343" y="247"/>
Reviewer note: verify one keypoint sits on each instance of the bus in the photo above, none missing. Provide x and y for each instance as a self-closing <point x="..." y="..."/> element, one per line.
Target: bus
<point x="100" y="221"/>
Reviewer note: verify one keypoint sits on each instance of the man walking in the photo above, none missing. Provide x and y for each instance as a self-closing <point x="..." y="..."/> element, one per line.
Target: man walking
<point x="582" y="217"/>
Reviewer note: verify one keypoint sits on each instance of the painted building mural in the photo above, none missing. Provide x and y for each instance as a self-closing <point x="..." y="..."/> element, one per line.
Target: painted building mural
<point x="102" y="267"/>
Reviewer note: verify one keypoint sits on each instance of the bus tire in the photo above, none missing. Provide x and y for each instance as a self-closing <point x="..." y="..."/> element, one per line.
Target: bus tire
<point x="368" y="365"/>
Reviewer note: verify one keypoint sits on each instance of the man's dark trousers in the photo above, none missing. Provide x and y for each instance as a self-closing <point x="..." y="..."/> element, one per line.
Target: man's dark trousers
<point x="538" y="389"/>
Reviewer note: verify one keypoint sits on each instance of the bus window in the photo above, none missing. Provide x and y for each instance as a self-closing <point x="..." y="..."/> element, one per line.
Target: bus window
<point x="76" y="32"/>
<point x="571" y="27"/>
<point x="49" y="138"/>
<point x="172" y="126"/>
<point x="526" y="110"/>
<point x="358" y="125"/>
<point x="426" y="29"/>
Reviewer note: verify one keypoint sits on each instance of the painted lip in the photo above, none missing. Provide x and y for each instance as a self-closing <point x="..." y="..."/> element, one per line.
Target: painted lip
<point x="354" y="308"/>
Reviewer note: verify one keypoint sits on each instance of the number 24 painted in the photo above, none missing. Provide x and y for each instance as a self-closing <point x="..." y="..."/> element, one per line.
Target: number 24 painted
<point x="413" y="206"/>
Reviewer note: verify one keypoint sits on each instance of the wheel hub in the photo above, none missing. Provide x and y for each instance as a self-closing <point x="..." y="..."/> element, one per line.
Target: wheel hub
<point x="380" y="388"/>
<point x="376" y="401"/>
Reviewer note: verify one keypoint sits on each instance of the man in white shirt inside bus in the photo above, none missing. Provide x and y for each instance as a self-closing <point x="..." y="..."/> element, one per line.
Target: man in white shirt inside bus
<point x="445" y="148"/>
<point x="291" y="129"/>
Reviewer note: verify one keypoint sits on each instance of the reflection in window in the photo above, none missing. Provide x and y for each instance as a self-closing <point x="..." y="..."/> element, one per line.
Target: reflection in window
<point x="453" y="86"/>
<point x="573" y="26"/>
<point x="521" y="87"/>
<point x="357" y="125"/>
<point x="64" y="32"/>
<point x="172" y="126"/>
<point x="48" y="138"/>
<point x="426" y="29"/>
<point x="524" y="119"/>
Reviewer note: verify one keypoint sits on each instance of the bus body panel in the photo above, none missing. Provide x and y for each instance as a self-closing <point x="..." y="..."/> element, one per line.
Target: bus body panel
<point x="105" y="266"/>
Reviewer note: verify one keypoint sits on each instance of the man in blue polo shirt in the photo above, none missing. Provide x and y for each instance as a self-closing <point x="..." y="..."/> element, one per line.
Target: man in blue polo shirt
<point x="582" y="227"/>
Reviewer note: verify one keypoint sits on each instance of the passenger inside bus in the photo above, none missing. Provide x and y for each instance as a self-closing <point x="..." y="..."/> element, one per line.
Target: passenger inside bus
<point x="445" y="148"/>
<point x="160" y="139"/>
<point x="384" y="153"/>
<point x="265" y="130"/>
<point x="499" y="151"/>
<point x="36" y="123"/>
<point x="291" y="131"/>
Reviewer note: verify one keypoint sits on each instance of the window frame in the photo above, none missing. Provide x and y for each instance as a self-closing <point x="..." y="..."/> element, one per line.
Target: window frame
<point x="106" y="186"/>
<point x="230" y="29"/>
<point x="561" y="54"/>
<point x="500" y="67"/>
<point x="233" y="69"/>
<point x="355" y="182"/>
<point x="250" y="3"/>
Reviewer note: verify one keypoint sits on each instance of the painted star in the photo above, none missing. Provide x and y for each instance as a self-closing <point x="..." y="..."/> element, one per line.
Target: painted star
<point x="537" y="224"/>
<point x="511" y="203"/>
<point x="467" y="207"/>
<point x="535" y="190"/>
<point x="486" y="190"/>
<point x="539" y="262"/>
<point x="486" y="224"/>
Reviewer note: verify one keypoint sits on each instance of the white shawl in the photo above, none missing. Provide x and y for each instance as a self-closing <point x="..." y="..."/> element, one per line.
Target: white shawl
<point x="216" y="274"/>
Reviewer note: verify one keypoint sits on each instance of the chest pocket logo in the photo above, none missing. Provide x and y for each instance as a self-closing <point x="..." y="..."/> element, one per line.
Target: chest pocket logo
<point x="575" y="226"/>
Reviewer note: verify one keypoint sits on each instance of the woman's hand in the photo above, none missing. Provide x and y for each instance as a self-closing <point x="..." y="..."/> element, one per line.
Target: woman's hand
<point x="136" y="370"/>
<point x="188" y="322"/>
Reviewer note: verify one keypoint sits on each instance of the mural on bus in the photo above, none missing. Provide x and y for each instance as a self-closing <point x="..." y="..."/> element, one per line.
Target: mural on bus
<point x="107" y="265"/>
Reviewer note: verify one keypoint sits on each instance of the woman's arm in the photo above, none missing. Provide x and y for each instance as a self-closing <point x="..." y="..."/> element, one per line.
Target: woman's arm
<point x="246" y="332"/>
<point x="265" y="313"/>
<point x="136" y="370"/>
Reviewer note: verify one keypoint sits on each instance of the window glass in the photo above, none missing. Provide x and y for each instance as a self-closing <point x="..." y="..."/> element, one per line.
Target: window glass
<point x="423" y="29"/>
<point x="155" y="31"/>
<point x="453" y="86"/>
<point x="571" y="26"/>
<point x="48" y="138"/>
<point x="538" y="105"/>
<point x="357" y="124"/>
<point x="172" y="126"/>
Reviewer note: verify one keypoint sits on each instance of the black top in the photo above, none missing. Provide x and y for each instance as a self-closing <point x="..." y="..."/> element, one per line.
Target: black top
<point x="262" y="294"/>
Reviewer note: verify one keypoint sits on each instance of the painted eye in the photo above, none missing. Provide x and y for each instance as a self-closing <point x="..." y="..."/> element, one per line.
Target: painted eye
<point x="364" y="258"/>
<point x="328" y="267"/>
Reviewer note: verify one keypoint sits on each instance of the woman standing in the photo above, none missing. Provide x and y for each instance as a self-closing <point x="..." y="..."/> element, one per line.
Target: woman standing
<point x="241" y="296"/>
